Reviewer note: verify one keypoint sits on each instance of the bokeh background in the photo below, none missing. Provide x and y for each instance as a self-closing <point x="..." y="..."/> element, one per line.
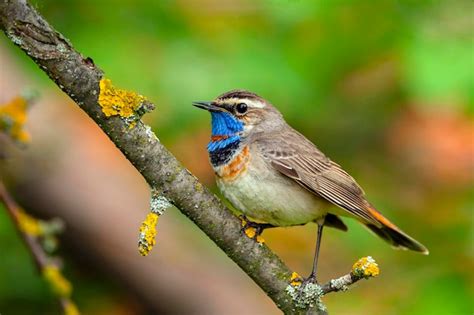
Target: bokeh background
<point x="385" y="88"/>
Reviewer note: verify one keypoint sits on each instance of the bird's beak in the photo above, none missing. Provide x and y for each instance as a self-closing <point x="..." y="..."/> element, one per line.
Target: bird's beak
<point x="208" y="106"/>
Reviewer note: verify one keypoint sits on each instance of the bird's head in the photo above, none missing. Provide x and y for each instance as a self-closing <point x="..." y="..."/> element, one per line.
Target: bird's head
<point x="240" y="113"/>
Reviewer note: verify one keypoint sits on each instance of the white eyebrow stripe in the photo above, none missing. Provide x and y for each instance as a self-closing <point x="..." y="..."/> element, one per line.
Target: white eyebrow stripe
<point x="254" y="103"/>
<point x="249" y="102"/>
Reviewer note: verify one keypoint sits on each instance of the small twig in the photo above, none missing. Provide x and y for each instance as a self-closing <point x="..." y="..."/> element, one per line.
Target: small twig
<point x="307" y="296"/>
<point x="39" y="256"/>
<point x="43" y="262"/>
<point x="364" y="268"/>
<point x="339" y="284"/>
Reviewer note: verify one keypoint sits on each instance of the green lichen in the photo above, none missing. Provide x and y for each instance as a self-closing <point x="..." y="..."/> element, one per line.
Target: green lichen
<point x="62" y="48"/>
<point x="159" y="204"/>
<point x="283" y="276"/>
<point x="150" y="135"/>
<point x="339" y="284"/>
<point x="306" y="296"/>
<point x="15" y="39"/>
<point x="199" y="187"/>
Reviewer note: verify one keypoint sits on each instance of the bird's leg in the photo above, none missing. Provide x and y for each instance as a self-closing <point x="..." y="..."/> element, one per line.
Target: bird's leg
<point x="312" y="276"/>
<point x="252" y="229"/>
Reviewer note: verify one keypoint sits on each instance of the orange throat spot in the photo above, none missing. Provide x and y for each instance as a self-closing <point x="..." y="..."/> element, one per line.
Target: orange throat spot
<point x="237" y="166"/>
<point x="218" y="138"/>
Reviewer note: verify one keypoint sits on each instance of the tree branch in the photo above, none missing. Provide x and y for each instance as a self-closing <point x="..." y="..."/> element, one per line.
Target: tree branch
<point x="82" y="80"/>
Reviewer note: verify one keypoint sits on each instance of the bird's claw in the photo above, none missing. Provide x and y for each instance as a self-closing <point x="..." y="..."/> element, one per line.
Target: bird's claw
<point x="311" y="280"/>
<point x="253" y="230"/>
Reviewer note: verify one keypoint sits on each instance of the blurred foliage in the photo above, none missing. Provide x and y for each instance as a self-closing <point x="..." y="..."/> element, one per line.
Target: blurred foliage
<point x="386" y="88"/>
<point x="24" y="291"/>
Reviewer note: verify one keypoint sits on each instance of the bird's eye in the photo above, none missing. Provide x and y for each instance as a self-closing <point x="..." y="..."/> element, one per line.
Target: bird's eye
<point x="241" y="108"/>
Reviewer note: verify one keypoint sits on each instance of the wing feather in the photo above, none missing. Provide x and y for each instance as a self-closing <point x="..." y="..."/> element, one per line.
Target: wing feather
<point x="296" y="157"/>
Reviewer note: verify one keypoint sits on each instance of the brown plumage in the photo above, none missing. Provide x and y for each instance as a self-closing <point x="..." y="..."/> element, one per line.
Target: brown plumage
<point x="296" y="157"/>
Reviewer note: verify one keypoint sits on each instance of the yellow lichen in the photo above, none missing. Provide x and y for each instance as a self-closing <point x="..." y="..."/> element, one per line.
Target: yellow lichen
<point x="60" y="285"/>
<point x="260" y="239"/>
<point x="132" y="125"/>
<point x="70" y="308"/>
<point x="250" y="232"/>
<point x="28" y="224"/>
<point x="119" y="102"/>
<point x="366" y="267"/>
<point x="147" y="234"/>
<point x="13" y="119"/>
<point x="295" y="279"/>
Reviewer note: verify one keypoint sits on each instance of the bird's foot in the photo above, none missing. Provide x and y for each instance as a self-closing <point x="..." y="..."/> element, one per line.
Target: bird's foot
<point x="308" y="285"/>
<point x="253" y="230"/>
<point x="310" y="280"/>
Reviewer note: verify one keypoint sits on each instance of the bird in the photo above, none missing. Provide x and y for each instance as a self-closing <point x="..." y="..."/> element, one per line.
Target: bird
<point x="276" y="177"/>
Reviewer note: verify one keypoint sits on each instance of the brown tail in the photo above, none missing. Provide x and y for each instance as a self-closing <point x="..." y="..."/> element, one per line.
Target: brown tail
<point x="393" y="235"/>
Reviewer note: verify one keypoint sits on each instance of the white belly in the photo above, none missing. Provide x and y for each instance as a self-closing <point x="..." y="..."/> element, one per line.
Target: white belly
<point x="265" y="195"/>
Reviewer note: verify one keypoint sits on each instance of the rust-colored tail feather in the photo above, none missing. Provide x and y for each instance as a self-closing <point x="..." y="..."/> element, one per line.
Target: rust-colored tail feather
<point x="393" y="235"/>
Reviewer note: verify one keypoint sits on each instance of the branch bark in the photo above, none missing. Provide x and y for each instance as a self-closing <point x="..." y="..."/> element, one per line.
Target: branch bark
<point x="79" y="78"/>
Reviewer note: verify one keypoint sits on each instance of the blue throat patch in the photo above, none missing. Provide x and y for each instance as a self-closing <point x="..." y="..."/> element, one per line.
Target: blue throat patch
<point x="226" y="129"/>
<point x="227" y="126"/>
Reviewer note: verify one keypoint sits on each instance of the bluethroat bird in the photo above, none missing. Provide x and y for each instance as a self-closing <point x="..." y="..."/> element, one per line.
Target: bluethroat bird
<point x="276" y="177"/>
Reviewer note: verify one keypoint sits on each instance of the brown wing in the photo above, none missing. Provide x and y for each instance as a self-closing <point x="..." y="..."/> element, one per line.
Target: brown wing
<point x="296" y="157"/>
